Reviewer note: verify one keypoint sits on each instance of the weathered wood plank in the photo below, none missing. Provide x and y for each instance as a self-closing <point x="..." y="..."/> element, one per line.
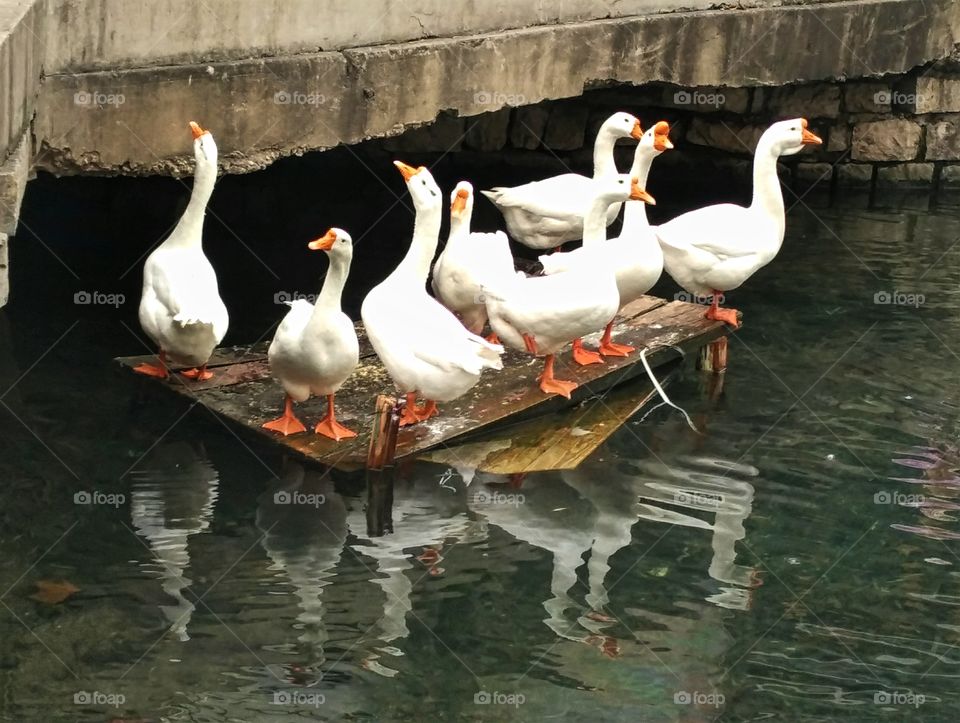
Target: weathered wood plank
<point x="243" y="391"/>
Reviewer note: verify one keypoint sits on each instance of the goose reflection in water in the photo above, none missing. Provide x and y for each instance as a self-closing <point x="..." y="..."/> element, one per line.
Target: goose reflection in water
<point x="429" y="513"/>
<point x="172" y="497"/>
<point x="304" y="524"/>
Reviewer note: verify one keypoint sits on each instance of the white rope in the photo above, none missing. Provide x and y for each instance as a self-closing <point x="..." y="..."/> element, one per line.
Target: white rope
<point x="663" y="394"/>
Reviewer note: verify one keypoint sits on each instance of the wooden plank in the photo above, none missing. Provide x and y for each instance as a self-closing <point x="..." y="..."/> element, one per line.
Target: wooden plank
<point x="549" y="442"/>
<point x="244" y="392"/>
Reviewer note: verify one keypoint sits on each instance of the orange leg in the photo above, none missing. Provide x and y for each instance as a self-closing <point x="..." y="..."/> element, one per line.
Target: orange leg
<point x="198" y="375"/>
<point x="158" y="370"/>
<point x="409" y="415"/>
<point x="727" y="316"/>
<point x="530" y="343"/>
<point x="287" y="423"/>
<point x="330" y="427"/>
<point x="609" y="348"/>
<point x="550" y="385"/>
<point x="493" y="338"/>
<point x="582" y="356"/>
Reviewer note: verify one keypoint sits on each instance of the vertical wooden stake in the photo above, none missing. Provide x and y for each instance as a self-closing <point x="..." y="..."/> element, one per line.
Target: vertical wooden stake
<point x="713" y="356"/>
<point x="379" y="507"/>
<point x="383" y="436"/>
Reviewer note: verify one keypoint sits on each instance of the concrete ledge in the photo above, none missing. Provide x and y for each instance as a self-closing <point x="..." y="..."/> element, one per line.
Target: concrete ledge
<point x="14" y="174"/>
<point x="264" y="109"/>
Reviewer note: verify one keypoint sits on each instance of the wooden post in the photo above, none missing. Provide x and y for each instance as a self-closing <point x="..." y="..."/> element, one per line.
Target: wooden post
<point x="379" y="506"/>
<point x="383" y="436"/>
<point x="713" y="356"/>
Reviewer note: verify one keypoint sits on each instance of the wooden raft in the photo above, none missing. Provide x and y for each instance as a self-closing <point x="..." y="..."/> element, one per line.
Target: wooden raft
<point x="243" y="392"/>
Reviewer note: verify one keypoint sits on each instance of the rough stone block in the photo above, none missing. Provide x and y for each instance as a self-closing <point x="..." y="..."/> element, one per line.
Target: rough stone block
<point x="529" y="123"/>
<point x="814" y="173"/>
<point x="758" y="102"/>
<point x="950" y="175"/>
<point x="442" y="136"/>
<point x="838" y="139"/>
<point x="937" y="95"/>
<point x="725" y="136"/>
<point x="707" y="99"/>
<point x="566" y="128"/>
<point x="886" y="140"/>
<point x="815" y="100"/>
<point x="854" y="174"/>
<point x="488" y="132"/>
<point x="943" y="140"/>
<point x="867" y="97"/>
<point x="913" y="174"/>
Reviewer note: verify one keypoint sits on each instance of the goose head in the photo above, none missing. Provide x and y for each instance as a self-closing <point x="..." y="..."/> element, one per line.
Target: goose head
<point x="423" y="189"/>
<point x="204" y="147"/>
<point x="788" y="137"/>
<point x="622" y="125"/>
<point x="622" y="187"/>
<point x="336" y="242"/>
<point x="656" y="139"/>
<point x="461" y="201"/>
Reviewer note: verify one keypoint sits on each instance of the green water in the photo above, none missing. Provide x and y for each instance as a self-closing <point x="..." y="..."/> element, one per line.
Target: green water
<point x="797" y="561"/>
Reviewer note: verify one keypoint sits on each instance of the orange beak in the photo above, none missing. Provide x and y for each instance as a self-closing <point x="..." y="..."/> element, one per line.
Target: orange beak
<point x="661" y="136"/>
<point x="638" y="194"/>
<point x="637" y="132"/>
<point x="196" y="130"/>
<point x="459" y="204"/>
<point x="324" y="243"/>
<point x="407" y="171"/>
<point x="808" y="137"/>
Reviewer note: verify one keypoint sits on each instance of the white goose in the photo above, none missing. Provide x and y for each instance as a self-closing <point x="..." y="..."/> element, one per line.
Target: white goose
<point x="546" y="214"/>
<point x="180" y="308"/>
<point x="716" y="248"/>
<point x="424" y="346"/>
<point x="634" y="255"/>
<point x="469" y="262"/>
<point x="543" y="313"/>
<point x="315" y="348"/>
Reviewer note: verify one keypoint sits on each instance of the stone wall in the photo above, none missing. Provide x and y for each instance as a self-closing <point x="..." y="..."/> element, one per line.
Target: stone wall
<point x="899" y="130"/>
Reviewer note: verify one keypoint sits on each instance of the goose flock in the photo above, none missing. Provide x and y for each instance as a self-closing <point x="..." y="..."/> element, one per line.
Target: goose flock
<point x="432" y="345"/>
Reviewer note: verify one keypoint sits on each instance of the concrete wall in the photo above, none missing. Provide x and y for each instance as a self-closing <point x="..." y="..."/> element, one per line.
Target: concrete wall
<point x="110" y="34"/>
<point x="264" y="108"/>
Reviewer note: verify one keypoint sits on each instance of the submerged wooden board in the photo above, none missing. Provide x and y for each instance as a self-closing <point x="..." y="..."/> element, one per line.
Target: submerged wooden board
<point x="243" y="392"/>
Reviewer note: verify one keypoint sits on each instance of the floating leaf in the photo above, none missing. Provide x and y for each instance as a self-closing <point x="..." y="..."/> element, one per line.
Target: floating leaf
<point x="52" y="592"/>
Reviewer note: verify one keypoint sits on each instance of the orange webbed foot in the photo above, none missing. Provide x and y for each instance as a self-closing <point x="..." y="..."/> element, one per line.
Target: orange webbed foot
<point x="285" y="425"/>
<point x="727" y="316"/>
<point x="493" y="338"/>
<point x="152" y="370"/>
<point x="428" y="410"/>
<point x="333" y="429"/>
<point x="197" y="375"/>
<point x="609" y="348"/>
<point x="582" y="356"/>
<point x="557" y="386"/>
